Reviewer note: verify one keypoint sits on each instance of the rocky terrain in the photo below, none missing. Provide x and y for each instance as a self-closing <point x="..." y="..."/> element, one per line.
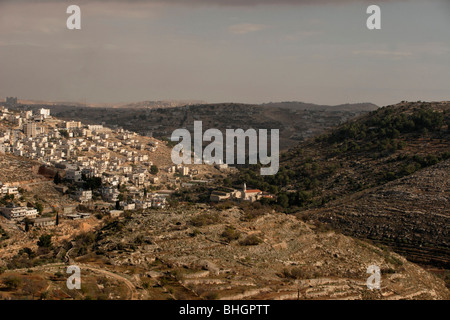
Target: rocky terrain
<point x="382" y="177"/>
<point x="203" y="253"/>
<point x="25" y="174"/>
<point x="273" y="256"/>
<point x="411" y="214"/>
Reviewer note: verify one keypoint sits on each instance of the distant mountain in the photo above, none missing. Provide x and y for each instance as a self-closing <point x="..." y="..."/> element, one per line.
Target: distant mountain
<point x="150" y="119"/>
<point x="133" y="105"/>
<point x="295" y="105"/>
<point x="160" y="104"/>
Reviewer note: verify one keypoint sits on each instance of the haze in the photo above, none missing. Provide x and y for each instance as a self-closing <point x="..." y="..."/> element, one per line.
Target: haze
<point x="226" y="51"/>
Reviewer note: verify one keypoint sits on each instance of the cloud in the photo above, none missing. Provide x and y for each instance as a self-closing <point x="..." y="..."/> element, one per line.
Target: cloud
<point x="244" y="28"/>
<point x="301" y="35"/>
<point x="211" y="2"/>
<point x="383" y="53"/>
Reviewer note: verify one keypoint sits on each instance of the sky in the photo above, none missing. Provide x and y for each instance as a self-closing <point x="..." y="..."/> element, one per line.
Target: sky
<point x="248" y="51"/>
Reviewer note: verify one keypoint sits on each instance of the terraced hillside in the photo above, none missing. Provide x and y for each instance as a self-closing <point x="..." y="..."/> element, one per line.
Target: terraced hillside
<point x="24" y="173"/>
<point x="383" y="176"/>
<point x="411" y="214"/>
<point x="199" y="253"/>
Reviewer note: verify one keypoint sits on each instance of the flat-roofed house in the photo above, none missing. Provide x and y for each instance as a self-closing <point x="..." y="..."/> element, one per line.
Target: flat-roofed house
<point x="18" y="213"/>
<point x="44" y="222"/>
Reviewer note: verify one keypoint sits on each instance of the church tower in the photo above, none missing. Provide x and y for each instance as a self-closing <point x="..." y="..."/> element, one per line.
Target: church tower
<point x="244" y="189"/>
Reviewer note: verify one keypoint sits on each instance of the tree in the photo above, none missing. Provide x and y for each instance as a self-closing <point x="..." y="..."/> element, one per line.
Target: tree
<point x="154" y="169"/>
<point x="64" y="133"/>
<point x="27" y="224"/>
<point x="93" y="183"/>
<point x="39" y="207"/>
<point x="283" y="200"/>
<point x="45" y="241"/>
<point x="57" y="179"/>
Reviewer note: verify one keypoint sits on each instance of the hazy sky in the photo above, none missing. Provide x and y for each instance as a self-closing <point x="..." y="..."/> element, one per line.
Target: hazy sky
<point x="250" y="51"/>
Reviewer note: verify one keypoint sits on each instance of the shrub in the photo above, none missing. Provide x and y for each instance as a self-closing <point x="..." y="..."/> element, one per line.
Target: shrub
<point x="251" y="241"/>
<point x="231" y="234"/>
<point x="194" y="233"/>
<point x="212" y="295"/>
<point x="294" y="273"/>
<point x="204" y="219"/>
<point x="45" y="241"/>
<point x="13" y="282"/>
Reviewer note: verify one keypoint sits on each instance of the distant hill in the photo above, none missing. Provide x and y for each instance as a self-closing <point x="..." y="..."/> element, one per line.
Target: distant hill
<point x="160" y="104"/>
<point x="159" y="121"/>
<point x="134" y="105"/>
<point x="295" y="105"/>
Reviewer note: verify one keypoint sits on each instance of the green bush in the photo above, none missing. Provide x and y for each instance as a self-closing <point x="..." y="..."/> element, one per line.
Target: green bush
<point x="251" y="240"/>
<point x="45" y="241"/>
<point x="204" y="219"/>
<point x="231" y="234"/>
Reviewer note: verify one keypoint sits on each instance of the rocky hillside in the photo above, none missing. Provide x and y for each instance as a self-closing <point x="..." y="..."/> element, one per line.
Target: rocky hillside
<point x="199" y="253"/>
<point x="411" y="214"/>
<point x="383" y="146"/>
<point x="359" y="177"/>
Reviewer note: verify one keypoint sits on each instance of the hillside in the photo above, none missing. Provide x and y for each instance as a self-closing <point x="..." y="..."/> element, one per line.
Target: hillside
<point x="295" y="105"/>
<point x="411" y="214"/>
<point x="197" y="253"/>
<point x="361" y="157"/>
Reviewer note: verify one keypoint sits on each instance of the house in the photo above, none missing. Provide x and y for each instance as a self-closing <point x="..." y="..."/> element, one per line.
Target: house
<point x="72" y="125"/>
<point x="73" y="216"/>
<point x="8" y="190"/>
<point x="217" y="196"/>
<point x="78" y="216"/>
<point x="115" y="213"/>
<point x="110" y="194"/>
<point x="44" y="222"/>
<point x="18" y="213"/>
<point x="154" y="180"/>
<point x="74" y="175"/>
<point x="62" y="189"/>
<point x="129" y="206"/>
<point x="69" y="210"/>
<point x="221" y="166"/>
<point x="83" y="195"/>
<point x="251" y="195"/>
<point x="45" y="113"/>
<point x="184" y="171"/>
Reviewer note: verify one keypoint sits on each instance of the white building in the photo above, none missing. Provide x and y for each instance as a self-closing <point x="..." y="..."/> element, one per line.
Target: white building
<point x="19" y="213"/>
<point x="45" y="113"/>
<point x="83" y="195"/>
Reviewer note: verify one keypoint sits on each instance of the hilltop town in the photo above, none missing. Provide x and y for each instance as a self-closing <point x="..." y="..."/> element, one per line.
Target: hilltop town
<point x="91" y="165"/>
